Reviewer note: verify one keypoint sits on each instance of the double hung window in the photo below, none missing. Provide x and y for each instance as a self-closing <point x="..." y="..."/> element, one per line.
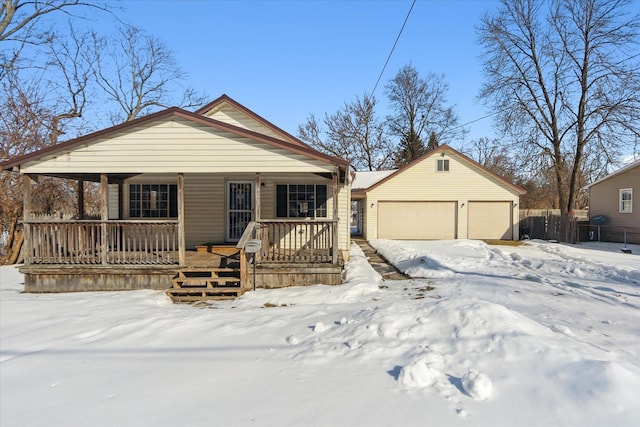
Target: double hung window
<point x="626" y="200"/>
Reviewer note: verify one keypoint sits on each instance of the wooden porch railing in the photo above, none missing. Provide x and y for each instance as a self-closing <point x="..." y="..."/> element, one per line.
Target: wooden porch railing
<point x="294" y="241"/>
<point x="102" y="242"/>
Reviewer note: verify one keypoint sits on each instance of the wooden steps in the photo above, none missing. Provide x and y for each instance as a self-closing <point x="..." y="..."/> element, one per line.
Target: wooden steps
<point x="198" y="284"/>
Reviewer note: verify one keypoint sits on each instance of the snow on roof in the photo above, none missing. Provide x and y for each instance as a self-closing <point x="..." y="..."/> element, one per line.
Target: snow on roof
<point x="366" y="179"/>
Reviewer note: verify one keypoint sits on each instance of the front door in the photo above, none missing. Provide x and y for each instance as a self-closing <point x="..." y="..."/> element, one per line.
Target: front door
<point x="239" y="208"/>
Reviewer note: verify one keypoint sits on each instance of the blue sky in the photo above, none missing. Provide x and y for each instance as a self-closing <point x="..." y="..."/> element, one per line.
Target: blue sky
<point x="287" y="59"/>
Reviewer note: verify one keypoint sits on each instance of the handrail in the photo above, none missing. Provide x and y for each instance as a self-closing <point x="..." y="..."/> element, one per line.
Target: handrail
<point x="247" y="235"/>
<point x="297" y="220"/>
<point x="100" y="221"/>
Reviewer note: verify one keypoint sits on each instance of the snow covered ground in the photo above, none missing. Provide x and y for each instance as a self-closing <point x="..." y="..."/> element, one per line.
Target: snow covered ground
<point x="537" y="335"/>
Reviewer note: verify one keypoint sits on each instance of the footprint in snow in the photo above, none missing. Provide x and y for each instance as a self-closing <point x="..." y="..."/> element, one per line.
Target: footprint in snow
<point x="562" y="329"/>
<point x="292" y="340"/>
<point x="477" y="385"/>
<point x="319" y="327"/>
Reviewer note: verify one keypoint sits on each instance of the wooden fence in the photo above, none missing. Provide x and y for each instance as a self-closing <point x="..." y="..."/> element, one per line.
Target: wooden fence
<point x="547" y="225"/>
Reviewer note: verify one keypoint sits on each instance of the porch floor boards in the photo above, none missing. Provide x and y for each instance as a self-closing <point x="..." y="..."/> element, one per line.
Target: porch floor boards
<point x="206" y="260"/>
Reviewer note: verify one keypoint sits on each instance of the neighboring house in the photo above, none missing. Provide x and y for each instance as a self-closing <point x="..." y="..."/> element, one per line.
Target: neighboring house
<point x="441" y="195"/>
<point x="178" y="185"/>
<point x="617" y="197"/>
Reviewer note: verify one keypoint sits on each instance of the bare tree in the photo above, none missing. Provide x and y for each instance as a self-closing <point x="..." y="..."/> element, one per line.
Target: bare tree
<point x="20" y="23"/>
<point x="71" y="65"/>
<point x="516" y="167"/>
<point x="563" y="76"/>
<point x="419" y="111"/>
<point x="353" y="133"/>
<point x="495" y="156"/>
<point x="139" y="73"/>
<point x="23" y="126"/>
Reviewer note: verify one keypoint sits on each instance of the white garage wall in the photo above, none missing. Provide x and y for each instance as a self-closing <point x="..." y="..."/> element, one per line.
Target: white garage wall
<point x="421" y="181"/>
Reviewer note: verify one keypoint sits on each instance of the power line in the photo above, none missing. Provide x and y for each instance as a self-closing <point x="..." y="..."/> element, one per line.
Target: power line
<point x="476" y="120"/>
<point x="393" y="48"/>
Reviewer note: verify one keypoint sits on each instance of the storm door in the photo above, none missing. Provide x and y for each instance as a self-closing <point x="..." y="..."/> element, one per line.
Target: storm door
<point x="239" y="208"/>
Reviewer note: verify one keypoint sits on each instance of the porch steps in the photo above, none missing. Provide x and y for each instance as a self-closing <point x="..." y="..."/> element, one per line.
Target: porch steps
<point x="199" y="284"/>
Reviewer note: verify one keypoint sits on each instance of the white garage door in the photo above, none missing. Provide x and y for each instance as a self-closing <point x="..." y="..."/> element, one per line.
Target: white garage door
<point x="490" y="220"/>
<point x="417" y="220"/>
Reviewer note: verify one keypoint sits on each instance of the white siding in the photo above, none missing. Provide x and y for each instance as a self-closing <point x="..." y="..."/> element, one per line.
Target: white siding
<point x="268" y="197"/>
<point x="230" y="115"/>
<point x="422" y="182"/>
<point x="205" y="201"/>
<point x="177" y="146"/>
<point x="113" y="202"/>
<point x="204" y="219"/>
<point x="344" y="215"/>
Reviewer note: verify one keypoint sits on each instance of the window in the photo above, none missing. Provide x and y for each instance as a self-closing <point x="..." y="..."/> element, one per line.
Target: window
<point x="626" y="200"/>
<point x="153" y="201"/>
<point x="443" y="165"/>
<point x="301" y="201"/>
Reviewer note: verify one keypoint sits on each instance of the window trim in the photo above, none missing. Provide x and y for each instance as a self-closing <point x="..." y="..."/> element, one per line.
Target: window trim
<point x="622" y="202"/>
<point x="172" y="196"/>
<point x="442" y="165"/>
<point x="317" y="207"/>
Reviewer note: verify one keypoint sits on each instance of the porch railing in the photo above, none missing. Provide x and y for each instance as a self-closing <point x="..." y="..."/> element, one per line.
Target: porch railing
<point x="102" y="242"/>
<point x="294" y="241"/>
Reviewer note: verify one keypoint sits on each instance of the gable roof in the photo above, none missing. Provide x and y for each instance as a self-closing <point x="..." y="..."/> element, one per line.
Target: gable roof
<point x="166" y="115"/>
<point x="626" y="168"/>
<point x="441" y="149"/>
<point x="224" y="99"/>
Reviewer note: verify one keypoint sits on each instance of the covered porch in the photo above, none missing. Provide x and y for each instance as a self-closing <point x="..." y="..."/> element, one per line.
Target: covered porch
<point x="175" y="181"/>
<point x="117" y="252"/>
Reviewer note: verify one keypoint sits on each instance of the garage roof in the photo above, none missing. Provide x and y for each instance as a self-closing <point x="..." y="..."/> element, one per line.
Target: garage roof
<point x="369" y="182"/>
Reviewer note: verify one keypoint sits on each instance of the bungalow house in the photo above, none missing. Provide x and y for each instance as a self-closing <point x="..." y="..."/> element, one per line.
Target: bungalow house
<point x="441" y="195"/>
<point x="615" y="199"/>
<point x="181" y="195"/>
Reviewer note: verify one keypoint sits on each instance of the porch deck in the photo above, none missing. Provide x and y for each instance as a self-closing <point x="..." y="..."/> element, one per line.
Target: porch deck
<point x="219" y="256"/>
<point x="203" y="271"/>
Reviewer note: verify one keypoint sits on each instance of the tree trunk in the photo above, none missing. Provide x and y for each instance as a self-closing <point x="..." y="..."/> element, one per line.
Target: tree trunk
<point x="15" y="253"/>
<point x="11" y="240"/>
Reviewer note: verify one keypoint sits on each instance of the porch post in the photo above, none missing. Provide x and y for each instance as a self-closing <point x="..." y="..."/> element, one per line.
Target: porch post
<point x="258" y="211"/>
<point x="26" y="217"/>
<point x="120" y="200"/>
<point x="104" y="216"/>
<point x="81" y="198"/>
<point x="336" y="226"/>
<point x="181" y="237"/>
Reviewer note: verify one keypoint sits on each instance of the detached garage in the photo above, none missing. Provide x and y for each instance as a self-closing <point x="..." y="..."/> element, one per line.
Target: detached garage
<point x="417" y="220"/>
<point x="442" y="195"/>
